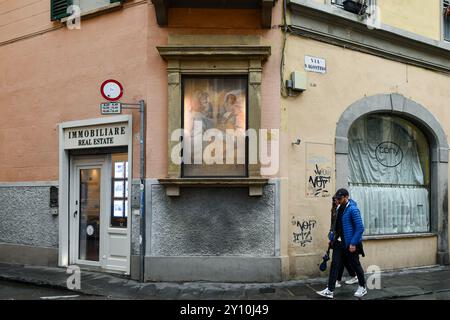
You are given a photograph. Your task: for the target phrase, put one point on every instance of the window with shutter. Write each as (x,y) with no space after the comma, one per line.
(446,24)
(59,7)
(368,4)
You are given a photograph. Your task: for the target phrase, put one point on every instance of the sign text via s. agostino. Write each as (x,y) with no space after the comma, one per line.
(110,135)
(315,64)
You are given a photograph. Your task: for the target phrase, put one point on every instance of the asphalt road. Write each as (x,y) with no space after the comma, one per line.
(22,291)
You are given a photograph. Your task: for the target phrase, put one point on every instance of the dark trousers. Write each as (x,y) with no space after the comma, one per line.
(353,261)
(347,266)
(340,254)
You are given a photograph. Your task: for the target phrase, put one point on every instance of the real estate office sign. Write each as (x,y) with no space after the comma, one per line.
(110,135)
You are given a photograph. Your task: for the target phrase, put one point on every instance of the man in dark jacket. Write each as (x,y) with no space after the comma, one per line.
(347,243)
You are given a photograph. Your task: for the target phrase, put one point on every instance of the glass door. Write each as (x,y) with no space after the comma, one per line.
(89,211)
(99,226)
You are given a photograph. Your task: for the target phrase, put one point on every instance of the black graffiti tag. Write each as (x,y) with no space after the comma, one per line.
(304,231)
(320,180)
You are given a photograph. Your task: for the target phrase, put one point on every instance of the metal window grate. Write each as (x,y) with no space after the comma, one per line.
(388,185)
(367,3)
(338,2)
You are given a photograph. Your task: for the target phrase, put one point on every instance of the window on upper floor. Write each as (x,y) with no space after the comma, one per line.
(61,8)
(337,2)
(356,6)
(446,23)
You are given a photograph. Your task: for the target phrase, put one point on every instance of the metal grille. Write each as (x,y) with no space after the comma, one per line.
(368,3)
(338,2)
(388,185)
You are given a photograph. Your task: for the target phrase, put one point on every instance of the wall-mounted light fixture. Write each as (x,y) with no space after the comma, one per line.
(297,142)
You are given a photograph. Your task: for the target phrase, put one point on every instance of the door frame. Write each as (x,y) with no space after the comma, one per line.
(64,183)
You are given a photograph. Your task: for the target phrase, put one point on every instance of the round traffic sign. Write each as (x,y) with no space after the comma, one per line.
(111,90)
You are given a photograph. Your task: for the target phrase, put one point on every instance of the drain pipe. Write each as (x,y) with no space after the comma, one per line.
(142,189)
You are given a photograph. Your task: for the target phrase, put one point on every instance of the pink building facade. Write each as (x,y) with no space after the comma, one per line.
(71,184)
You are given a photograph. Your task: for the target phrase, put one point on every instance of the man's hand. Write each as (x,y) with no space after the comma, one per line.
(352,248)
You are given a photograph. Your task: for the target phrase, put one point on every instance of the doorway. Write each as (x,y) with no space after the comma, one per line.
(98,215)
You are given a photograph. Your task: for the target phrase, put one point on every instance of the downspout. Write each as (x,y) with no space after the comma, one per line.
(285,30)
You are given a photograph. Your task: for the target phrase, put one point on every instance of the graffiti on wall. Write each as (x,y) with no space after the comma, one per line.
(319,181)
(319,170)
(302,233)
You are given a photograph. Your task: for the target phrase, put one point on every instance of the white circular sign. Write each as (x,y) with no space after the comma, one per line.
(90,230)
(111,90)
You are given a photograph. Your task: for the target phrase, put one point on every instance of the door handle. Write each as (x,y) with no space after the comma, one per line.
(75,213)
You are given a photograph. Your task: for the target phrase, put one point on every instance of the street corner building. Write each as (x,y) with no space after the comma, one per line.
(367,94)
(117,117)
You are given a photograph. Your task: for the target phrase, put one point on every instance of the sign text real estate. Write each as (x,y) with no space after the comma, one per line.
(110,135)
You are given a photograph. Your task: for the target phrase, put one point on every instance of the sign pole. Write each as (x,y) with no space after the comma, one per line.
(112,91)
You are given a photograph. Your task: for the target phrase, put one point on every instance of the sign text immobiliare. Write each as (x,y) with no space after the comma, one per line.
(116,134)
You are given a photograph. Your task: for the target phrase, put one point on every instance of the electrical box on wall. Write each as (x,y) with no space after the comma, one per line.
(298,81)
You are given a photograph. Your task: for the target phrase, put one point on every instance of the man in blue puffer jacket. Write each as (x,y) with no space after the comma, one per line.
(346,238)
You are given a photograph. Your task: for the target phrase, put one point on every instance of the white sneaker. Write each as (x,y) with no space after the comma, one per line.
(325,293)
(338,284)
(361,292)
(352,280)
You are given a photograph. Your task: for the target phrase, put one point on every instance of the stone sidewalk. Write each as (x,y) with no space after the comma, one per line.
(424,283)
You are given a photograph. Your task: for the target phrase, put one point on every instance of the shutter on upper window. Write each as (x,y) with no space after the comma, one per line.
(58,9)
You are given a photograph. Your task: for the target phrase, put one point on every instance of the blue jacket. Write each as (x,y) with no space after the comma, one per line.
(352,225)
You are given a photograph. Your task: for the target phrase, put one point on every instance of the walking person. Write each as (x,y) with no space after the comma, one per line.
(347,244)
(353,278)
